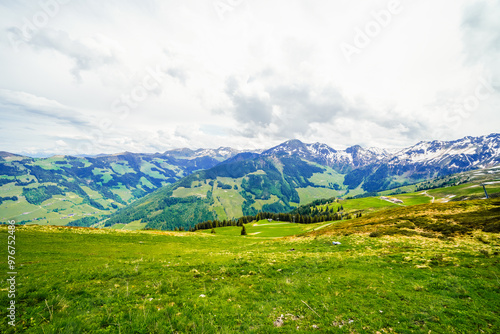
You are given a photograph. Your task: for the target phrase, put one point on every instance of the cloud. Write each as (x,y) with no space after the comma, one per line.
(481,30)
(313,112)
(481,36)
(279,109)
(267,72)
(87,54)
(36,106)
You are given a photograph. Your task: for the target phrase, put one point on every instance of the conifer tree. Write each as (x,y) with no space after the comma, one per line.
(243,230)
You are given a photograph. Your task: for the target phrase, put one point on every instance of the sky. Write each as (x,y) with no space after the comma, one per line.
(90,77)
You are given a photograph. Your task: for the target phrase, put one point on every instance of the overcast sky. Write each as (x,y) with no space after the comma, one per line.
(146,76)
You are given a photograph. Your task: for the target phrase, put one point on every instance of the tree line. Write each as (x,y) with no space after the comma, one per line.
(308,214)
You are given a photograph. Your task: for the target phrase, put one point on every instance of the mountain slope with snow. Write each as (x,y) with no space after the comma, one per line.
(341,160)
(426,160)
(481,151)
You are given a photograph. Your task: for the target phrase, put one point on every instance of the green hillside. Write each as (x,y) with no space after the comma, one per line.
(229,191)
(249,187)
(65,190)
(185,189)
(417,269)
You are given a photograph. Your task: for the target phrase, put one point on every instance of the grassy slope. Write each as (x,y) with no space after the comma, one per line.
(266,229)
(103,171)
(228,202)
(227,191)
(441,195)
(76,280)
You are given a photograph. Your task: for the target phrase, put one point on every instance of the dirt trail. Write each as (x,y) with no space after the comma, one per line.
(426,194)
(322,226)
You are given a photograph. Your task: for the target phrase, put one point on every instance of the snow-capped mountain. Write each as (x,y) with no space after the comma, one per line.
(481,151)
(375,169)
(467,152)
(220,154)
(352,157)
(426,160)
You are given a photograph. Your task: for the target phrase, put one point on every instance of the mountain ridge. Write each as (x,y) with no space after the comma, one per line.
(234,182)
(294,173)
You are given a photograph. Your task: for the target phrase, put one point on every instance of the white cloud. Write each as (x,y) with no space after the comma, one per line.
(251,75)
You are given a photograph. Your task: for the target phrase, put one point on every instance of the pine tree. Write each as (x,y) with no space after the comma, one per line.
(243,230)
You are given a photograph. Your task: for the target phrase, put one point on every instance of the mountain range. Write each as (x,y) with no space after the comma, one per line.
(294,173)
(182,187)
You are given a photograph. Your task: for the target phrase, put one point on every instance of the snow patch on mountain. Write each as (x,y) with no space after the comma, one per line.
(462,154)
(469,151)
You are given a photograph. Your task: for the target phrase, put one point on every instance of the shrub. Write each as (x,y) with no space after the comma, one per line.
(485,252)
(493,228)
(406,224)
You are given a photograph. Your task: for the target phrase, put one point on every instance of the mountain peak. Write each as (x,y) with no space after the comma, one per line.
(293,146)
(353,149)
(292,143)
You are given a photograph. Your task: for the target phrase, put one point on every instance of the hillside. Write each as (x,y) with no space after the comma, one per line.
(247,187)
(62,189)
(425,277)
(232,190)
(434,220)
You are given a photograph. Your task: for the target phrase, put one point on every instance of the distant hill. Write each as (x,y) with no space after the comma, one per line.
(61,189)
(4,154)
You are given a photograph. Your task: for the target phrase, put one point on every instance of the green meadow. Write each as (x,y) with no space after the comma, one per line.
(280,278)
(266,229)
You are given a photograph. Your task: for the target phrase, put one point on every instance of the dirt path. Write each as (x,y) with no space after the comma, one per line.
(426,194)
(322,226)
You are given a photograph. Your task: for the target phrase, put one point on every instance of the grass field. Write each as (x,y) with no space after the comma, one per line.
(266,229)
(329,176)
(309,194)
(74,280)
(136,225)
(58,210)
(124,193)
(440,195)
(121,167)
(228,202)
(147,167)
